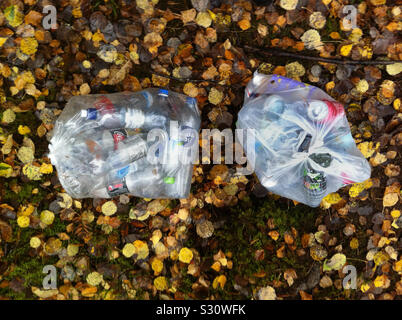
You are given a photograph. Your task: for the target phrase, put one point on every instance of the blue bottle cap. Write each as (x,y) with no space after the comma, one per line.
(92,113)
(163,92)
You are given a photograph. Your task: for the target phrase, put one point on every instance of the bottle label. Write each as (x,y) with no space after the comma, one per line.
(118,135)
(123,172)
(117,188)
(104,105)
(136,149)
(314,181)
(187,137)
(169,180)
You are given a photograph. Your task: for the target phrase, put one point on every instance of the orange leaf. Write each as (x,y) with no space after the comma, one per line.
(244,24)
(305,295)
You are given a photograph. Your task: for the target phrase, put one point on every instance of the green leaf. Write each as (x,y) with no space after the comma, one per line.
(13,15)
(337,261)
(5,170)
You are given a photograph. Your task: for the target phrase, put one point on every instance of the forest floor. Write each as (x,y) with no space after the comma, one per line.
(231,239)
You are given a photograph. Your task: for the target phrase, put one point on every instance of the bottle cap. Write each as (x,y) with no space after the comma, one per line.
(335,109)
(163,92)
(317,110)
(84,113)
(275,106)
(89,114)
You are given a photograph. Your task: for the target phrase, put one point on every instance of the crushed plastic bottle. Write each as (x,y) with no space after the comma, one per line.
(303,146)
(106,145)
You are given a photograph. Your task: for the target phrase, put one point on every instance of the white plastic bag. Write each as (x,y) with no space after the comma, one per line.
(304,149)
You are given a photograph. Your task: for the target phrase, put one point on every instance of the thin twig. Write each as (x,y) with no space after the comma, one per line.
(180,79)
(217,82)
(277,52)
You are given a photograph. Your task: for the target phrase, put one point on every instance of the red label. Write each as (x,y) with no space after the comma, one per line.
(118,135)
(104,105)
(116,189)
(115,186)
(117,138)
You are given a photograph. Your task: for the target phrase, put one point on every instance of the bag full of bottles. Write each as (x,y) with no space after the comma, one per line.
(139,143)
(303,147)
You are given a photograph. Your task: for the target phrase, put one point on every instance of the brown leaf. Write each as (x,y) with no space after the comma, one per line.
(188,15)
(118,74)
(34,18)
(288,238)
(290,275)
(305,295)
(280,253)
(219,170)
(391,195)
(5,231)
(259,255)
(392,170)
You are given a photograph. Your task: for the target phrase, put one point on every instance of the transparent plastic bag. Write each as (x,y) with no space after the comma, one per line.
(304,149)
(139,143)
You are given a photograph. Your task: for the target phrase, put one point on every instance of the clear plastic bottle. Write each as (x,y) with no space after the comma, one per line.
(98,141)
(129,150)
(93,150)
(137,178)
(111,115)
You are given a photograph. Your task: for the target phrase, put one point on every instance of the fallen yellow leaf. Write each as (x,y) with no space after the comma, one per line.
(219,281)
(185,255)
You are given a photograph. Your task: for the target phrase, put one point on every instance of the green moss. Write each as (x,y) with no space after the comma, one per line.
(12,295)
(186,282)
(25,194)
(20,237)
(125,264)
(332,25)
(55,228)
(31,271)
(112,4)
(245,231)
(22,265)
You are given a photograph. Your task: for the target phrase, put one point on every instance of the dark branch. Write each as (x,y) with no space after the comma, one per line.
(278,52)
